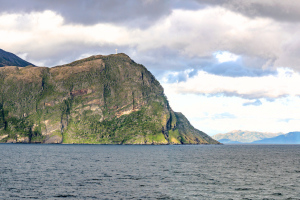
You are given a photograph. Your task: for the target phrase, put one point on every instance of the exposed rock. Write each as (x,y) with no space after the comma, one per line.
(50,127)
(79,92)
(11,140)
(3,136)
(23,140)
(54,140)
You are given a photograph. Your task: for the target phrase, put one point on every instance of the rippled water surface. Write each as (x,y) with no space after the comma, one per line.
(149,172)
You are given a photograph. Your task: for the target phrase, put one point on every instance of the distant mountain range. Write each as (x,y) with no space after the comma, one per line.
(253,137)
(290,138)
(227,141)
(10,59)
(239,136)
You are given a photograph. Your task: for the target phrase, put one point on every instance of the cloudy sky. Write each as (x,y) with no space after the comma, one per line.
(226,65)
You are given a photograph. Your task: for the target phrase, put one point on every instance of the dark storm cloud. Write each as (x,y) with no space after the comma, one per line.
(130,12)
(255,103)
(144,12)
(287,10)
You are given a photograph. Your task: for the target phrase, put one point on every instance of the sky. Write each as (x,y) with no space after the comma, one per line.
(225,64)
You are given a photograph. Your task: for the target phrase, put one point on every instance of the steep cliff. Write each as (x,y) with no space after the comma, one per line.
(100,99)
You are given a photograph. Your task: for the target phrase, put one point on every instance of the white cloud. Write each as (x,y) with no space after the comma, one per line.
(23,55)
(216,113)
(199,33)
(270,117)
(225,56)
(46,35)
(257,102)
(284,84)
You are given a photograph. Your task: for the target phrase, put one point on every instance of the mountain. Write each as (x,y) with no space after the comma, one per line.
(227,141)
(100,100)
(10,59)
(244,136)
(289,138)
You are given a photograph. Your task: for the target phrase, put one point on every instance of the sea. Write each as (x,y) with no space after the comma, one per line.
(48,171)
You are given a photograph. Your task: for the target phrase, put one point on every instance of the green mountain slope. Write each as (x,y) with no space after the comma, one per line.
(9,59)
(100,100)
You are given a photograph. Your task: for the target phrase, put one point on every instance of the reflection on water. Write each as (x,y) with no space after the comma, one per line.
(153,172)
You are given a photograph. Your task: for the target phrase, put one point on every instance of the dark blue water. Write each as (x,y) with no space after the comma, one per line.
(35,171)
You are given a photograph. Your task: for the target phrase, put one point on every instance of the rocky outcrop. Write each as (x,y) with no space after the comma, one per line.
(3,137)
(56,139)
(16,139)
(100,100)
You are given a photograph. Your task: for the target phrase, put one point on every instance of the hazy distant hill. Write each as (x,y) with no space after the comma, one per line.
(243,136)
(227,141)
(290,138)
(10,59)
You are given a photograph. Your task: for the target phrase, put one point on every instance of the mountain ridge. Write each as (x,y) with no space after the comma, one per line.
(289,138)
(244,136)
(10,59)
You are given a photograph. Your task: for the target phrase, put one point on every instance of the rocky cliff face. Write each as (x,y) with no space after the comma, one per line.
(100,99)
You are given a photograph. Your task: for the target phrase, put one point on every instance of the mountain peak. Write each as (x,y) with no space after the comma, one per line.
(95,57)
(10,59)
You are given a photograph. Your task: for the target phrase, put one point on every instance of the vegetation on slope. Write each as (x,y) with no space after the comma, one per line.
(100,99)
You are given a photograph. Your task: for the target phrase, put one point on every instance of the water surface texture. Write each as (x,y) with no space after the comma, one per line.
(32,171)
